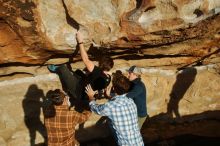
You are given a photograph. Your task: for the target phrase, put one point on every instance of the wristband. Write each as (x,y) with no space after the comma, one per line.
(80,43)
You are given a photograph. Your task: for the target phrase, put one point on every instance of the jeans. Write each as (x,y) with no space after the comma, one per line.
(72,82)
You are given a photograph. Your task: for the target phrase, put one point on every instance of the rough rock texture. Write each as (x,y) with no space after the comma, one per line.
(39,29)
(175,42)
(194,109)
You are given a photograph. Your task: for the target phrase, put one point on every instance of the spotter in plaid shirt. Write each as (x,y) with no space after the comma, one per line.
(122,112)
(61,127)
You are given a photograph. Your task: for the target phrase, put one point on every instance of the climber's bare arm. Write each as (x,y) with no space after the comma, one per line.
(88,63)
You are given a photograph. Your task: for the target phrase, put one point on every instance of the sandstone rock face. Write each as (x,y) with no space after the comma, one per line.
(181,96)
(175,42)
(38,29)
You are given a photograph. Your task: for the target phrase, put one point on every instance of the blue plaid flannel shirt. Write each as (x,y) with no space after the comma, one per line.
(122,112)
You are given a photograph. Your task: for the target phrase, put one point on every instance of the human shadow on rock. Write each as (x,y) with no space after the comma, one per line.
(182,84)
(32,109)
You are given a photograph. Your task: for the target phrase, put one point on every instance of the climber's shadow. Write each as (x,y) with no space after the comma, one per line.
(32,109)
(183,82)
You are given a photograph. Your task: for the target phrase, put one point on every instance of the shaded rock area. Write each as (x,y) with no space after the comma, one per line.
(176,43)
(162,127)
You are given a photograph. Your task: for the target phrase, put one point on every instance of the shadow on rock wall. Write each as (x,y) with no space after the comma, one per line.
(182,84)
(190,130)
(197,129)
(99,134)
(32,109)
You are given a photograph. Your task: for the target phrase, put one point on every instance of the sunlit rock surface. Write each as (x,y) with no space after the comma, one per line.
(39,29)
(175,42)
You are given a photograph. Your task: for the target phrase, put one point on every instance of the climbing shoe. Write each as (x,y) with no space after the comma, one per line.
(52,68)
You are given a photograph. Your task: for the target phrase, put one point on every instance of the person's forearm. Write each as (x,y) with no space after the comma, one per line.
(96,108)
(83,52)
(89,64)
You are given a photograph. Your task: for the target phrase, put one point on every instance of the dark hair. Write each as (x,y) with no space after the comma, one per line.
(120,83)
(56,96)
(53,97)
(106,63)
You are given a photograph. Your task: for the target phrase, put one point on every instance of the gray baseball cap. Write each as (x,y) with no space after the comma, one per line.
(134,69)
